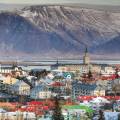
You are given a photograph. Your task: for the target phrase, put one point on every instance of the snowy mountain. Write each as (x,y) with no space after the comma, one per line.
(58,31)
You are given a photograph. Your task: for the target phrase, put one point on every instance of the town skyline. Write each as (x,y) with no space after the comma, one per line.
(59,60)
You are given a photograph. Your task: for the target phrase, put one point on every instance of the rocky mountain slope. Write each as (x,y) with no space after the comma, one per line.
(58,31)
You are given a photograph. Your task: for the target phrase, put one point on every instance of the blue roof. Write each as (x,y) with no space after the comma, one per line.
(84,86)
(39,88)
(47,80)
(20,83)
(4,95)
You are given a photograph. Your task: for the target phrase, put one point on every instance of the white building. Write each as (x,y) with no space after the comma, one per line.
(108,71)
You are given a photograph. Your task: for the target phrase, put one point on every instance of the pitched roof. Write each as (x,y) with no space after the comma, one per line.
(39,88)
(20,83)
(84,85)
(56,84)
(3,95)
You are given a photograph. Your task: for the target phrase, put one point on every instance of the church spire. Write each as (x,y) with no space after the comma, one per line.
(86,58)
(86,51)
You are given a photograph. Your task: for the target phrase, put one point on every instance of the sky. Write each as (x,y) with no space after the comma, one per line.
(98,2)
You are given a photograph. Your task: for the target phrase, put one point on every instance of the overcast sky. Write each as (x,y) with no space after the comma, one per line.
(98,2)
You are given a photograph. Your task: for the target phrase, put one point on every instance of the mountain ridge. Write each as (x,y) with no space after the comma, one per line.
(57,31)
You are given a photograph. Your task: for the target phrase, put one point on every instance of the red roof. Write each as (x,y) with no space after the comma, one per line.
(85,98)
(91,97)
(57,84)
(35,103)
(112,77)
(45,108)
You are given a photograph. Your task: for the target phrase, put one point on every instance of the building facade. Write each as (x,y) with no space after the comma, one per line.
(21,88)
(41,92)
(82,89)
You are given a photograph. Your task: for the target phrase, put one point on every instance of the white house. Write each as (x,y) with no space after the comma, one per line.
(108,71)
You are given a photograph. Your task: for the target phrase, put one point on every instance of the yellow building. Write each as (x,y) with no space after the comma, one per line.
(9,80)
(101,88)
(69,68)
(99,93)
(95,68)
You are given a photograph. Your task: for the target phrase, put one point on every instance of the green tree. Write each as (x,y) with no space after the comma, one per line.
(57,114)
(118,116)
(90,74)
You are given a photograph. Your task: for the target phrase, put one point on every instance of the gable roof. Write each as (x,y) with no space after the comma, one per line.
(84,85)
(20,83)
(39,88)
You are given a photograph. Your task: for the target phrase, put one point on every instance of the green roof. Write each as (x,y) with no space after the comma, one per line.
(86,108)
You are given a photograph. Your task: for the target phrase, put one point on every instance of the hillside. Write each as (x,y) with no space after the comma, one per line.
(58,31)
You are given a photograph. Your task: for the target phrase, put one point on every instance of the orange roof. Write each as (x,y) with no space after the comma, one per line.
(6,104)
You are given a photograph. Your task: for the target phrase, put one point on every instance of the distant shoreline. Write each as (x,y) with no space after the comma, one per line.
(59,62)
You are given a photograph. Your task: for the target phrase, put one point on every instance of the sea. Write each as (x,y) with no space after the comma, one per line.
(46,64)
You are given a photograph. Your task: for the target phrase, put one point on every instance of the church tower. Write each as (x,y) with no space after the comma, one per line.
(86,59)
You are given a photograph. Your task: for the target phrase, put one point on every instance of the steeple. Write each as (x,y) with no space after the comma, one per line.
(86,59)
(86,50)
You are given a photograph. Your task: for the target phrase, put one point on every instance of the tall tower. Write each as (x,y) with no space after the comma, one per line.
(86,59)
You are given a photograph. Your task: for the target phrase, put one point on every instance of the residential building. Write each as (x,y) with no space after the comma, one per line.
(10,80)
(99,91)
(21,88)
(82,89)
(9,69)
(108,70)
(58,88)
(41,91)
(95,68)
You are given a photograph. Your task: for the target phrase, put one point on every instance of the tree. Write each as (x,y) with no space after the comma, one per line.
(39,74)
(101,115)
(57,115)
(119,116)
(90,74)
(116,74)
(116,89)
